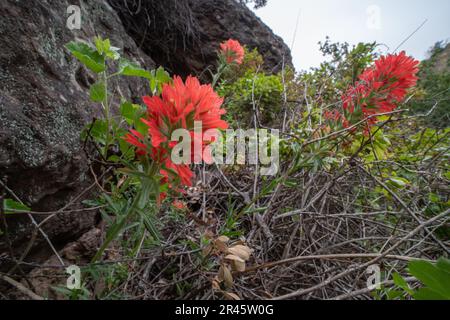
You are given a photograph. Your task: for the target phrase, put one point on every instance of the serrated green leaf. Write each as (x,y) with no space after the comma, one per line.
(127,68)
(129,111)
(88,56)
(97,92)
(162,77)
(99,131)
(102,45)
(104,48)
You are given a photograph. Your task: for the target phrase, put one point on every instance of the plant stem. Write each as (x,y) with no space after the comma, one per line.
(117,228)
(107,116)
(220,71)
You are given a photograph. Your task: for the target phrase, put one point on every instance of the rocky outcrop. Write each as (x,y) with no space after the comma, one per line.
(44,103)
(183,35)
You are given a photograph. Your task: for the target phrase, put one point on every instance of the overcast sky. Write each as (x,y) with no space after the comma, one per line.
(385,21)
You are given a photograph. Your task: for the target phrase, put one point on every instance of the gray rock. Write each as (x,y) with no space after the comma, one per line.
(184,35)
(44,105)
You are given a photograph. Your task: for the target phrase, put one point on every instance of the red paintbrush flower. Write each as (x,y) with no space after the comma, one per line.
(382,87)
(179,106)
(233,51)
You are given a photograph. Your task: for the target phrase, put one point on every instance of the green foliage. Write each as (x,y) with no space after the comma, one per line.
(97,92)
(253,90)
(434,87)
(341,69)
(396,153)
(246,87)
(253,62)
(100,282)
(11,206)
(73,294)
(108,131)
(434,277)
(90,57)
(128,206)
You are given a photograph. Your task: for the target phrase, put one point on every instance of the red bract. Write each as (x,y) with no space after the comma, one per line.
(382,87)
(232,51)
(178,107)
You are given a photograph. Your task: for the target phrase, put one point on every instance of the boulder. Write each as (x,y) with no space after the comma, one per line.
(184,35)
(44,105)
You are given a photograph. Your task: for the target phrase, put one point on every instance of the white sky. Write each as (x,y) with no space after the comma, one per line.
(356,21)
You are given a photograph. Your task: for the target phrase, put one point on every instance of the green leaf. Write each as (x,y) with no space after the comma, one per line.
(160,77)
(444,265)
(88,56)
(434,198)
(10,207)
(102,45)
(129,111)
(104,48)
(394,294)
(139,125)
(127,68)
(399,182)
(435,278)
(99,131)
(97,91)
(401,283)
(148,187)
(428,294)
(447,175)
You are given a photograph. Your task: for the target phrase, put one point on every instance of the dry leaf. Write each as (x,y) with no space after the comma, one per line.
(215,283)
(239,265)
(223,239)
(221,246)
(226,276)
(245,248)
(240,252)
(231,296)
(233,257)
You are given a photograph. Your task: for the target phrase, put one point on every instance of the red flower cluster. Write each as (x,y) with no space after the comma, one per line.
(380,89)
(232,51)
(178,107)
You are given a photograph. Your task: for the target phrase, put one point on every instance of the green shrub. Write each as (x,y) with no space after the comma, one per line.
(253,90)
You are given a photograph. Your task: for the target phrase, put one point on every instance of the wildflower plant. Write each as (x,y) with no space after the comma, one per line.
(380,89)
(144,135)
(231,53)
